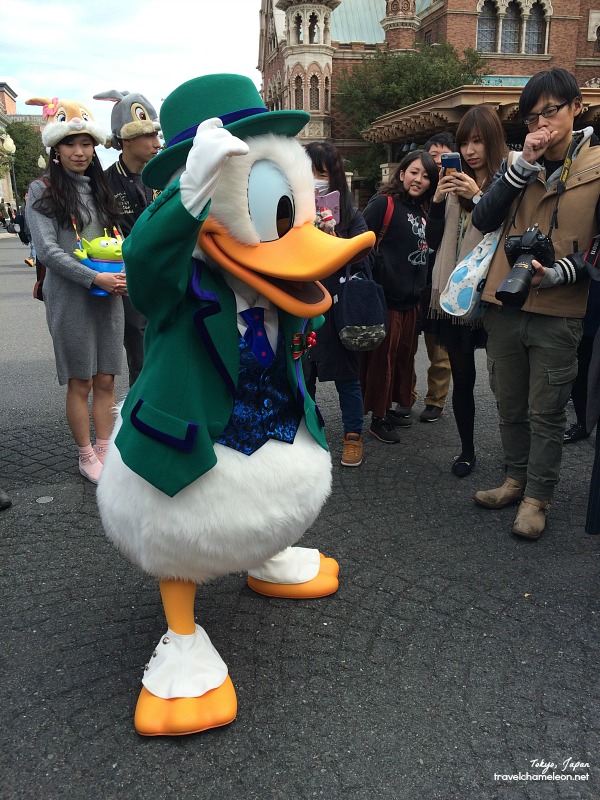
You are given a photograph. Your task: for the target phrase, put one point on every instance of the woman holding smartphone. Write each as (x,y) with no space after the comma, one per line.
(480,139)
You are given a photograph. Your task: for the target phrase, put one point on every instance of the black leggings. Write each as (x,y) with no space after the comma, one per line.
(463,399)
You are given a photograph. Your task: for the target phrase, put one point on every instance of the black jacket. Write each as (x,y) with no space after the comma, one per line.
(334,361)
(130,193)
(24,232)
(403,268)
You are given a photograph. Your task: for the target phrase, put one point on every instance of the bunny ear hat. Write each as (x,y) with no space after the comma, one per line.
(66,118)
(132,115)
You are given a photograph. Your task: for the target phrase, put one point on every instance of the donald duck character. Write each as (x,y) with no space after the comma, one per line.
(220,462)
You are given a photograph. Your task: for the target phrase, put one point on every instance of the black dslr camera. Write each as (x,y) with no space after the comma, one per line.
(520,251)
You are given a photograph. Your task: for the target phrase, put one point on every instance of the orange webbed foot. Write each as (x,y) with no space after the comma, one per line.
(323,584)
(180,716)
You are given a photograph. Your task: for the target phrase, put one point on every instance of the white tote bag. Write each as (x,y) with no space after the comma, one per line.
(462,295)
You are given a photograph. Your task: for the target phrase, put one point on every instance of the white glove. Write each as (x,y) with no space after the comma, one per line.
(212,146)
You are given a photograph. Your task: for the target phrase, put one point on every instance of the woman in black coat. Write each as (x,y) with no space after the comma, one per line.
(329,360)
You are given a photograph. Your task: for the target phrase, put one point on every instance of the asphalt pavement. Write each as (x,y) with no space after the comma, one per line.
(453,659)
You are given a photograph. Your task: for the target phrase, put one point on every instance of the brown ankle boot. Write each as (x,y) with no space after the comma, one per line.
(510,492)
(531,518)
(352,453)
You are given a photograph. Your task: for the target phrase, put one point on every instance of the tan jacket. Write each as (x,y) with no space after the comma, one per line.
(576,228)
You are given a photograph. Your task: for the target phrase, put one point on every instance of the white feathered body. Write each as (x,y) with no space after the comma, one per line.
(243,511)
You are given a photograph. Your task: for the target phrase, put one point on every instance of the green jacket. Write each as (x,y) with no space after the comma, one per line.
(183,399)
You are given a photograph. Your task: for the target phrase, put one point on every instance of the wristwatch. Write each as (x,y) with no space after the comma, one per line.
(476,198)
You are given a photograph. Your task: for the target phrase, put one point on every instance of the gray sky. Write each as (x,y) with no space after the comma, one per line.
(83,47)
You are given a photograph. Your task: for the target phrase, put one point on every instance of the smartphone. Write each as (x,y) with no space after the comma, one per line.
(451,163)
(330,201)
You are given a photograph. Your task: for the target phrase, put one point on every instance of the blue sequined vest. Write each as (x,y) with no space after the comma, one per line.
(264,407)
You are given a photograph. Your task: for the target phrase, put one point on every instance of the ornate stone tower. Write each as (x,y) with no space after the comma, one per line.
(400,24)
(307,62)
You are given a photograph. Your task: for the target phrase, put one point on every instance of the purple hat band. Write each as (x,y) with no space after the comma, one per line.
(226,119)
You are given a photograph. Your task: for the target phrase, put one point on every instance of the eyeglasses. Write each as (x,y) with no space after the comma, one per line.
(551,111)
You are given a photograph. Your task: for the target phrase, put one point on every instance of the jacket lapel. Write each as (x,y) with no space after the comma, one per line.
(213,317)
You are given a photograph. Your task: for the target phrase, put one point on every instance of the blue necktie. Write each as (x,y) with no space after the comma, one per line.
(256,335)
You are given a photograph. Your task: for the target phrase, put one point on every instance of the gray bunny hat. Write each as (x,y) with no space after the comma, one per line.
(133,115)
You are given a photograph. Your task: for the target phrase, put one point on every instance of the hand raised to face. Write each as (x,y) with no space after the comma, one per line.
(537,142)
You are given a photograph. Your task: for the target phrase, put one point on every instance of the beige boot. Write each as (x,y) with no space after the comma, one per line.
(531,518)
(510,492)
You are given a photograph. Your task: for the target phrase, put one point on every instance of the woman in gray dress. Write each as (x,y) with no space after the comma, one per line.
(70,202)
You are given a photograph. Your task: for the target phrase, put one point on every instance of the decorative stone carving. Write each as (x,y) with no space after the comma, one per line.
(396,7)
(593,24)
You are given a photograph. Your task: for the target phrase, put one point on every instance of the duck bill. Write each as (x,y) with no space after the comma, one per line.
(286,270)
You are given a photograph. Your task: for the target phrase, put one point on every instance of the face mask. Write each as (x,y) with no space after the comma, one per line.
(321,186)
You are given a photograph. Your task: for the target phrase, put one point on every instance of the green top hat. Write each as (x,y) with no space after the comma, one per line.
(232,98)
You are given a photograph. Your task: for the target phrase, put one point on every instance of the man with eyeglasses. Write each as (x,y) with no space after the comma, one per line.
(532,349)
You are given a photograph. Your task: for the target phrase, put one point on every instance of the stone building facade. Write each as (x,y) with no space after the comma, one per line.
(306,46)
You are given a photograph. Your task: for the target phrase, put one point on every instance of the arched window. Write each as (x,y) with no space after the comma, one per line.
(487,28)
(272,37)
(298,29)
(314,93)
(313,29)
(327,95)
(298,93)
(511,30)
(535,32)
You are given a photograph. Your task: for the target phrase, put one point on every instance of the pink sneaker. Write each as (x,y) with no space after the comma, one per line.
(90,467)
(100,452)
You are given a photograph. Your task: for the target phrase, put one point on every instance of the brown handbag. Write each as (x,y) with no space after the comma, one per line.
(40,274)
(40,270)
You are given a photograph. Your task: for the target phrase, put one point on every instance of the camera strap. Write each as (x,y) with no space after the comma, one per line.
(592,257)
(562,181)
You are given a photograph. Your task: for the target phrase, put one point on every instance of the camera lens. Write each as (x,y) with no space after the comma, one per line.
(514,289)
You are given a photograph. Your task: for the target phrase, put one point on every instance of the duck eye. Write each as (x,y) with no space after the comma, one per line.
(285,215)
(270,201)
